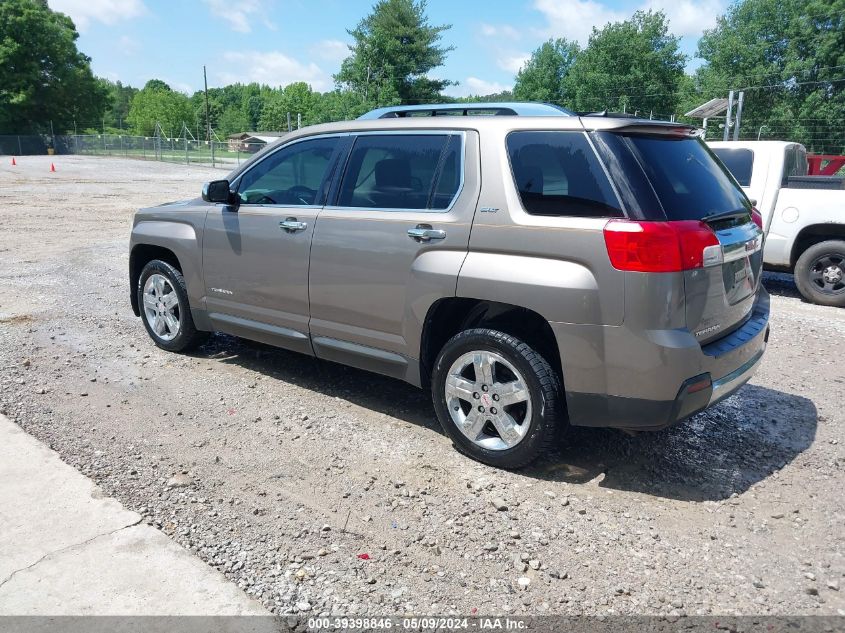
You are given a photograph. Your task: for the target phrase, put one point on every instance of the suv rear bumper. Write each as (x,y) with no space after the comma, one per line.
(648,381)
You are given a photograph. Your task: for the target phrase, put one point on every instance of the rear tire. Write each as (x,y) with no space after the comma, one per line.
(499,400)
(820,273)
(165,311)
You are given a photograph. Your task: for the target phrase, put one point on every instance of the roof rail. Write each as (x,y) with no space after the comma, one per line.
(468,109)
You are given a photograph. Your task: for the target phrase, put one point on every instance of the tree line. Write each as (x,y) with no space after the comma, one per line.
(788,56)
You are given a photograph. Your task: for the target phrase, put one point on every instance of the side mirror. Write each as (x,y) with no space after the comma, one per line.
(218,191)
(753,201)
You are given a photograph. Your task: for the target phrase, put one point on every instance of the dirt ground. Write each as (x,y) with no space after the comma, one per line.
(294,469)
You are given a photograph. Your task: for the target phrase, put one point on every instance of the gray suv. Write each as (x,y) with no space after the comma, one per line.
(533,268)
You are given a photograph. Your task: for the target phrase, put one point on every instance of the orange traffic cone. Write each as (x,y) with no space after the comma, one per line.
(52,167)
(14,162)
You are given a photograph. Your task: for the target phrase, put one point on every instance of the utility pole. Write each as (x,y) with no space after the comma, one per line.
(207,120)
(726,136)
(738,115)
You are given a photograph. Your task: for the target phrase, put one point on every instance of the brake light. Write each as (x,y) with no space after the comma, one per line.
(757,217)
(661,247)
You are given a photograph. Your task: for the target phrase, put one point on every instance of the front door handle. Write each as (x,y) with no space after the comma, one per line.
(292,225)
(424,233)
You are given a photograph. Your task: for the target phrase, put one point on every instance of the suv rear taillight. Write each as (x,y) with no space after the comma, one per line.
(757,217)
(661,247)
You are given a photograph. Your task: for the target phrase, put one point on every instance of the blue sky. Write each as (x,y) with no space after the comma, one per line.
(279,41)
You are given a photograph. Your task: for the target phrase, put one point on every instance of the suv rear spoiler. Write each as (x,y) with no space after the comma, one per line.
(641,126)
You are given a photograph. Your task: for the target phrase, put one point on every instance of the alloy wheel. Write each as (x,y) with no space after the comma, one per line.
(161,307)
(489,400)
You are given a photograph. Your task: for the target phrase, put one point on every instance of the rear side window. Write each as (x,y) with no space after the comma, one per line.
(558,174)
(795,163)
(678,176)
(739,162)
(402,171)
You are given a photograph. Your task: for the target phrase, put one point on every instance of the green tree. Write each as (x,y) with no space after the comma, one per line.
(118,103)
(232,121)
(157,103)
(395,48)
(788,57)
(633,65)
(337,105)
(43,76)
(505,95)
(542,76)
(251,104)
(296,98)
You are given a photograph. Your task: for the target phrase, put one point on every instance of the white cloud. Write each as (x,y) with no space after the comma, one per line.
(575,19)
(128,45)
(331,50)
(83,12)
(476,86)
(512,63)
(273,68)
(688,17)
(500,31)
(240,13)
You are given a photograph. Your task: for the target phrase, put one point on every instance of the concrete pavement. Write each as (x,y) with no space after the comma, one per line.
(66,550)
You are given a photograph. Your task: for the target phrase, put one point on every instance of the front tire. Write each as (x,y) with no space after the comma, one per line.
(820,273)
(499,400)
(165,311)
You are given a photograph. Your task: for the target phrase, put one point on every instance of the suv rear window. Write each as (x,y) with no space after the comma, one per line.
(668,178)
(738,161)
(558,173)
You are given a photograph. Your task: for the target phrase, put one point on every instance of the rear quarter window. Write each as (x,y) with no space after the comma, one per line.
(794,164)
(558,174)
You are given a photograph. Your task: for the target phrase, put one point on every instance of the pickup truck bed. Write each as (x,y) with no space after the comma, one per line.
(803,216)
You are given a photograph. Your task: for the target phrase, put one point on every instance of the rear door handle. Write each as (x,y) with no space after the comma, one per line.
(292,225)
(424,233)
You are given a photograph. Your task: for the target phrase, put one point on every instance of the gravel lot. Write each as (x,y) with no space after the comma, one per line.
(283,472)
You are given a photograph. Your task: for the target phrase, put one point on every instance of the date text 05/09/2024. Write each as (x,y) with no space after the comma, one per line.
(416,624)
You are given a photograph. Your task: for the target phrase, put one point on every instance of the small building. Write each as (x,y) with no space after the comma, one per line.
(251,142)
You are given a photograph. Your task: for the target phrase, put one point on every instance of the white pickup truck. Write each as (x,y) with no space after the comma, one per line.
(803,216)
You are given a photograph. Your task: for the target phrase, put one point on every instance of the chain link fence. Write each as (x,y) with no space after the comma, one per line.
(225,155)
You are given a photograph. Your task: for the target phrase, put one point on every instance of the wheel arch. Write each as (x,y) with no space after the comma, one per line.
(448,316)
(814,234)
(140,256)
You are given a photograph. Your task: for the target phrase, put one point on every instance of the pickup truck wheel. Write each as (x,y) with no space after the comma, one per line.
(497,399)
(165,311)
(820,273)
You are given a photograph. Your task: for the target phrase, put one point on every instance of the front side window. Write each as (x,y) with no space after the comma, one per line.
(291,176)
(558,174)
(402,171)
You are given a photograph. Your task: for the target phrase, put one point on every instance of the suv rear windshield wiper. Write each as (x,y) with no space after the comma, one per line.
(725,215)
